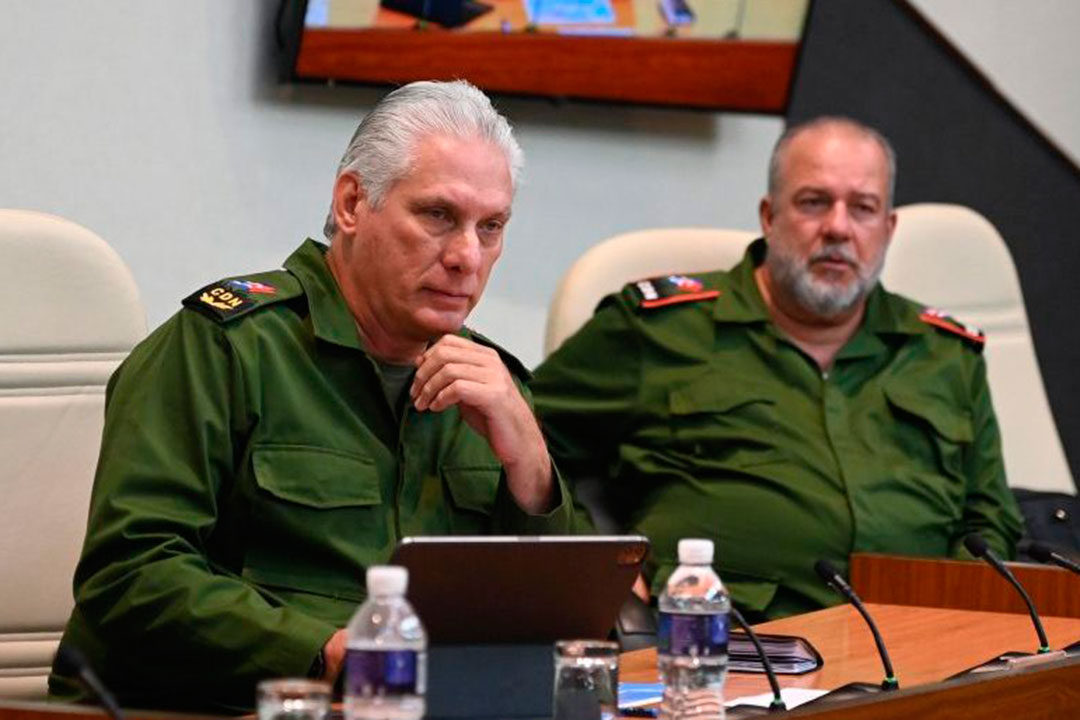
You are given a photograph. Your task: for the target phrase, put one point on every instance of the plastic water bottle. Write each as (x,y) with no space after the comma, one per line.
(693,636)
(386,652)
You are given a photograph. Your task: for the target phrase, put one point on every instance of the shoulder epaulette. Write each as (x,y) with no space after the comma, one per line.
(235,297)
(667,290)
(973,336)
(516,366)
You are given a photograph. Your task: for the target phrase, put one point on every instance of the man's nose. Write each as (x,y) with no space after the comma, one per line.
(462,251)
(838,221)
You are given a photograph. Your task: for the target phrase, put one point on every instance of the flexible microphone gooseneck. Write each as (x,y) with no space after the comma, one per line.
(72,663)
(1046,554)
(830,575)
(977,546)
(777,704)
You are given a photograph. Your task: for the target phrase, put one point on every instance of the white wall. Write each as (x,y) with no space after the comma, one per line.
(1027,50)
(159,126)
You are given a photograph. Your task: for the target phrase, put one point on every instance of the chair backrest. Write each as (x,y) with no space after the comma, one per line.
(71,314)
(606,267)
(952,258)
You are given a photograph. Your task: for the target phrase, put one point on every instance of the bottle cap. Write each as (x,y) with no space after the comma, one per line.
(693,551)
(387,580)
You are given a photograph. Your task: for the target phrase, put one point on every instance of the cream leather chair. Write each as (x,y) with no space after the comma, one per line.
(606,267)
(952,258)
(71,313)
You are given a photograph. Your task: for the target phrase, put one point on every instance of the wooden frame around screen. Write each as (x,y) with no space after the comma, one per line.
(753,76)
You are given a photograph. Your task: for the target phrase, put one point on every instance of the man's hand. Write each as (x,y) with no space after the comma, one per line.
(334,656)
(456,371)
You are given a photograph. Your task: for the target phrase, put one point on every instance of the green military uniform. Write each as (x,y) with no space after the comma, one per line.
(251,470)
(706,422)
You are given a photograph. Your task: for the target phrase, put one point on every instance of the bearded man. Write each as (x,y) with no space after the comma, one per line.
(792,408)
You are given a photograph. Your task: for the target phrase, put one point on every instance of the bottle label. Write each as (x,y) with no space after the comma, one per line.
(685,634)
(381,672)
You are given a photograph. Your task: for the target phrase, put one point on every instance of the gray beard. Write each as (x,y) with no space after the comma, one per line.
(817,296)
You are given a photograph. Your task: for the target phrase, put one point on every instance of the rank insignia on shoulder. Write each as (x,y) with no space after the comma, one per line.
(670,290)
(229,298)
(939,319)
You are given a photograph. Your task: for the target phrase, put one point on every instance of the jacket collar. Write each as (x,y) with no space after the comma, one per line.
(330,316)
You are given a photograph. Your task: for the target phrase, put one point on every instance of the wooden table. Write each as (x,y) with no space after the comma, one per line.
(926,645)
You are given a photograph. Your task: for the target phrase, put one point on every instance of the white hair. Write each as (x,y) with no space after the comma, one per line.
(382,148)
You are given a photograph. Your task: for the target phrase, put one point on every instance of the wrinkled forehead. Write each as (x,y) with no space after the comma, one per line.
(837,158)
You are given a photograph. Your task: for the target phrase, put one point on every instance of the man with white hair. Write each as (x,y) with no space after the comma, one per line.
(791,409)
(284,430)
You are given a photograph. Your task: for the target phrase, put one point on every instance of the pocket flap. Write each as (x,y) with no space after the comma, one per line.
(712,393)
(316,477)
(950,422)
(474,488)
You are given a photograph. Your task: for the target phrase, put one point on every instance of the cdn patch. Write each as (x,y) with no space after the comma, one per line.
(227,299)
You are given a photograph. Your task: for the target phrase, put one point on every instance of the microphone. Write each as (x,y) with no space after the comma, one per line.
(72,663)
(777,704)
(1046,554)
(977,546)
(831,576)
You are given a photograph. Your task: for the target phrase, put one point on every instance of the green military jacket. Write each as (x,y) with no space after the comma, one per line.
(704,421)
(251,469)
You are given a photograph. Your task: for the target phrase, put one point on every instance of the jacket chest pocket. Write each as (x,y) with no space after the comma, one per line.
(929,430)
(932,437)
(317,519)
(472,490)
(724,420)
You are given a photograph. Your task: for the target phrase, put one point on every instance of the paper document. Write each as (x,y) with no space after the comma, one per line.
(792,697)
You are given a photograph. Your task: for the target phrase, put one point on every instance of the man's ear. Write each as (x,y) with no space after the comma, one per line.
(765,215)
(349,202)
(891,220)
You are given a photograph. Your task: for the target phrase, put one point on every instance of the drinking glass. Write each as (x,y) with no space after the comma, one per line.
(293,699)
(586,679)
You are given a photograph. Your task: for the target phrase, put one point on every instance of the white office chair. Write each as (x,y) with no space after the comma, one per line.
(71,313)
(606,267)
(952,258)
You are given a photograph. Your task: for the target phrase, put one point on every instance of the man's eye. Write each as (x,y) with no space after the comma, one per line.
(813,203)
(437,213)
(492,226)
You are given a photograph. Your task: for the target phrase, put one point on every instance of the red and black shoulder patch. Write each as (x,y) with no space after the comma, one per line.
(667,290)
(973,336)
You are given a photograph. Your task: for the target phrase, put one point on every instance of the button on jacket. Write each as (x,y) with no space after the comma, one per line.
(704,421)
(251,470)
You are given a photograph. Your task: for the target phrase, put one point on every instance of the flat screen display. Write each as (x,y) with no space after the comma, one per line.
(724,54)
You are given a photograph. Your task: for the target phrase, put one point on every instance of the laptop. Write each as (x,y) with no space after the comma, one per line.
(507,589)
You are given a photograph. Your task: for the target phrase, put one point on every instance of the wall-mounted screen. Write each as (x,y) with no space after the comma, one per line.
(729,54)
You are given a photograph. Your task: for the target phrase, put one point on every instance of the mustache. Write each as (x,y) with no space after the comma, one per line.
(837,253)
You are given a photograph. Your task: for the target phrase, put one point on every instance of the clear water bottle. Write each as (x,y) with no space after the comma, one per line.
(386,652)
(693,636)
